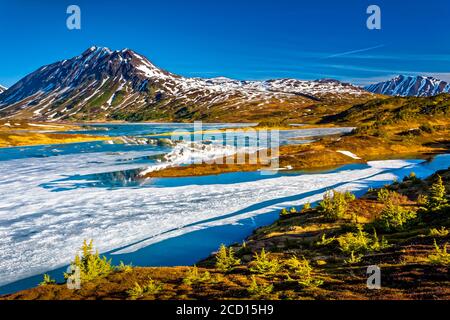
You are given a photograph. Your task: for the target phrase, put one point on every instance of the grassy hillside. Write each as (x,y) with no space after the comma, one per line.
(396,112)
(296,109)
(309,253)
(384,128)
(23,133)
(416,122)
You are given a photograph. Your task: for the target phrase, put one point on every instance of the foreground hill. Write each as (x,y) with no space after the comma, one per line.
(312,253)
(416,86)
(101,84)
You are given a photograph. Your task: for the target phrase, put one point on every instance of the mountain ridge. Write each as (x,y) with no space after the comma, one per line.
(418,86)
(101,84)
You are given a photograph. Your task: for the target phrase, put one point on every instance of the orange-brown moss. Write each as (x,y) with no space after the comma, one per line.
(20,133)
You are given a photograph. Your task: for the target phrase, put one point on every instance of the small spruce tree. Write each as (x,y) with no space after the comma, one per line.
(90,264)
(259,290)
(306,206)
(47,280)
(437,198)
(193,276)
(335,204)
(225,260)
(263,264)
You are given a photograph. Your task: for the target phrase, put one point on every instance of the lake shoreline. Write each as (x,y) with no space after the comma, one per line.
(25,134)
(276,236)
(314,150)
(270,218)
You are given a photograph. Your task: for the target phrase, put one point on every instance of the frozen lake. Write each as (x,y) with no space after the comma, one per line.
(54,197)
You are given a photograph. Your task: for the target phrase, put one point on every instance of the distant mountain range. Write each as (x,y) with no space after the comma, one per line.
(101,84)
(2,88)
(416,86)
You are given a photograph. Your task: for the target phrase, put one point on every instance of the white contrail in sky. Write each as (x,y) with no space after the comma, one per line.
(352,52)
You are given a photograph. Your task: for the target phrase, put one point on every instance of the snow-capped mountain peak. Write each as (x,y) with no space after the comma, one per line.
(122,84)
(418,86)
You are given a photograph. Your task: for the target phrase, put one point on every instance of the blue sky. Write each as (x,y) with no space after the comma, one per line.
(242,39)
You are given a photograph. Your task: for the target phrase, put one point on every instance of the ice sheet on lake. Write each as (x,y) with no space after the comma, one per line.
(41,230)
(193,153)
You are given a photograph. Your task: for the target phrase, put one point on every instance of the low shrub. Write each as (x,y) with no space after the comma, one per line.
(440,256)
(126,268)
(263,264)
(383,195)
(90,264)
(354,242)
(259,290)
(302,270)
(389,197)
(394,217)
(441,233)
(306,206)
(324,241)
(284,212)
(47,280)
(376,244)
(360,242)
(413,178)
(335,204)
(135,292)
(437,196)
(354,258)
(151,287)
(193,276)
(225,260)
